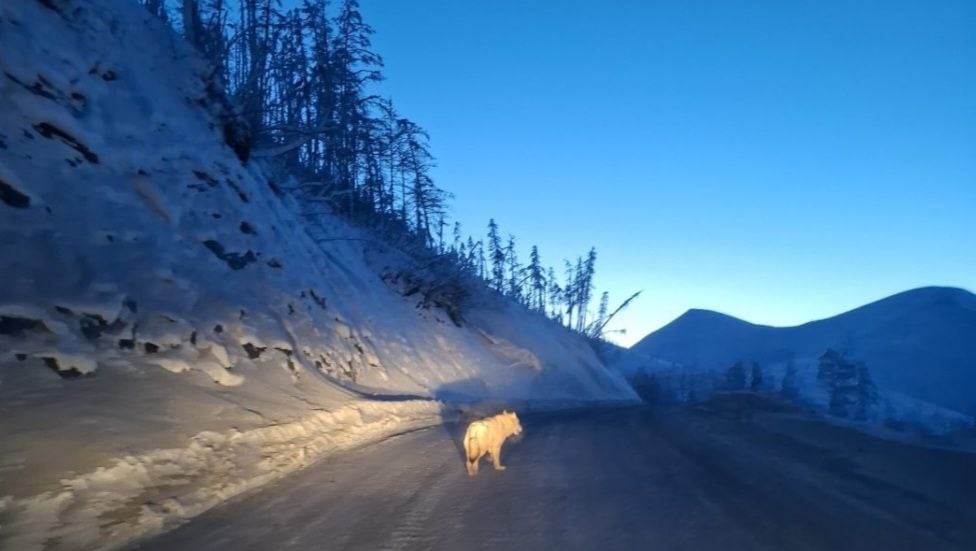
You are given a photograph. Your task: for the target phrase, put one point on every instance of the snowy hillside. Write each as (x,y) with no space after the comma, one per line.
(170,334)
(919,345)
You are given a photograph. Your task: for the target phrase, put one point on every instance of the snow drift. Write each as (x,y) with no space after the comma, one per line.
(170,332)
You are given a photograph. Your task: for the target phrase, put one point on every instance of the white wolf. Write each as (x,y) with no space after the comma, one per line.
(487,436)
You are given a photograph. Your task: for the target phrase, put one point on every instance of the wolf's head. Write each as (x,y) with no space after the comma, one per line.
(512,421)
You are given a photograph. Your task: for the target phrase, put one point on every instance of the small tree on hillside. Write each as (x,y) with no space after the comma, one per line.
(839,378)
(477,252)
(496,256)
(735,377)
(537,281)
(596,328)
(865,391)
(514,270)
(554,296)
(756,382)
(788,388)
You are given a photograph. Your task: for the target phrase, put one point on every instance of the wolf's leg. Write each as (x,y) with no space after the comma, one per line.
(496,458)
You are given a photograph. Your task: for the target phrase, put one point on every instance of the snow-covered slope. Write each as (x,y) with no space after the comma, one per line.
(920,343)
(170,334)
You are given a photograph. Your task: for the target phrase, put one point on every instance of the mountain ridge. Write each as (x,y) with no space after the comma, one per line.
(917,291)
(933,327)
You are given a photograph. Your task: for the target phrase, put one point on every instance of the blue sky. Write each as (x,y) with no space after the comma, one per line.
(778,161)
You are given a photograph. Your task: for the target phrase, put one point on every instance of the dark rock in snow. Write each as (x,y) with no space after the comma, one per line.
(50,132)
(235,260)
(18,327)
(13,197)
(253,352)
(70,373)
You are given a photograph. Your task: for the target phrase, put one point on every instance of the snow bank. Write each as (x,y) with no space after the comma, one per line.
(139,495)
(171,332)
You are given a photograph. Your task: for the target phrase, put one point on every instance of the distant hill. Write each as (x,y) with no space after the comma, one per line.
(921,343)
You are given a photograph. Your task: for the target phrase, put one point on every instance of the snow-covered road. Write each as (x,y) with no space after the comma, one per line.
(615,479)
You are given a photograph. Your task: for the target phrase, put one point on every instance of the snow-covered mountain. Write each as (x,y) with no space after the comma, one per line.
(919,343)
(171,332)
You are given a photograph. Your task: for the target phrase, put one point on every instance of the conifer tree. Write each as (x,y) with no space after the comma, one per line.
(756,383)
(789,388)
(555,296)
(496,254)
(865,391)
(839,378)
(514,269)
(353,65)
(537,281)
(735,377)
